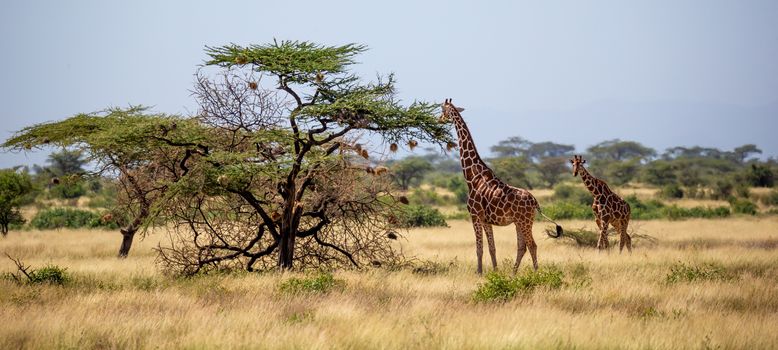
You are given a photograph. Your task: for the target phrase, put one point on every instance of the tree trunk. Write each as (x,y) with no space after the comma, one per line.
(127,236)
(4,229)
(286,252)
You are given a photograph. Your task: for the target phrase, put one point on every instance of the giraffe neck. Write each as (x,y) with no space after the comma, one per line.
(588,180)
(473,166)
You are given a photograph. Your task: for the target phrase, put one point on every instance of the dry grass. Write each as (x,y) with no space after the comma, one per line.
(610,300)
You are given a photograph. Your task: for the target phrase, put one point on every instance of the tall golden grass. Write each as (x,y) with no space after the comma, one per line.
(625,301)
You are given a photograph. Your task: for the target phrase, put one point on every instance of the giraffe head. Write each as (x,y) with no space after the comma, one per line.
(449,110)
(578,163)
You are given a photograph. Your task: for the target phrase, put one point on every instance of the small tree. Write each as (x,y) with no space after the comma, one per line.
(14,188)
(551,169)
(145,152)
(512,170)
(410,169)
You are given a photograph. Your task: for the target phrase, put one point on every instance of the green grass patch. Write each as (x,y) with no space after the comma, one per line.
(688,273)
(321,283)
(500,287)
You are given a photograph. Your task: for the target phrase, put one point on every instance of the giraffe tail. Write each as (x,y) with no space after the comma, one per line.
(559,230)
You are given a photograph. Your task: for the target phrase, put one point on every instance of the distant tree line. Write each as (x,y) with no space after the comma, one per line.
(698,172)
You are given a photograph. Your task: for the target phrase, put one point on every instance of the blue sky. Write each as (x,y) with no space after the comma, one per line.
(663,73)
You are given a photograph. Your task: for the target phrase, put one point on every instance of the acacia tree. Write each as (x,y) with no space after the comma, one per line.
(144,152)
(14,187)
(266,173)
(281,167)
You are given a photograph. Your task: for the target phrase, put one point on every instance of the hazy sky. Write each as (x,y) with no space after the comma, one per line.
(663,73)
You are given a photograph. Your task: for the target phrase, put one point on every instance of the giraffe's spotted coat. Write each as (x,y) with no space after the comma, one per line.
(608,207)
(491,201)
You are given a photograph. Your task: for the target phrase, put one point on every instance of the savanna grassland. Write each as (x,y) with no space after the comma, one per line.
(703,284)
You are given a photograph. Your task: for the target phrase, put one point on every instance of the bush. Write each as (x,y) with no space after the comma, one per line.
(499,287)
(319,284)
(568,210)
(743,206)
(645,210)
(67,218)
(681,272)
(428,197)
(675,212)
(671,191)
(67,190)
(421,216)
(51,274)
(573,194)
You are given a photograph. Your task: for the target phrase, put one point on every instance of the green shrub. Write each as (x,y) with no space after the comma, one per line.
(573,194)
(671,191)
(568,210)
(51,274)
(319,284)
(429,197)
(499,287)
(67,218)
(743,206)
(681,272)
(675,212)
(644,210)
(421,216)
(67,190)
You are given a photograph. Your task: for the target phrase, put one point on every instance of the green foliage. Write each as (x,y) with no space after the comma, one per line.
(659,173)
(500,287)
(743,206)
(421,216)
(67,190)
(410,170)
(760,176)
(568,210)
(429,197)
(51,274)
(551,169)
(56,218)
(512,170)
(66,162)
(14,190)
(321,283)
(683,272)
(459,187)
(573,194)
(675,212)
(671,191)
(616,172)
(618,150)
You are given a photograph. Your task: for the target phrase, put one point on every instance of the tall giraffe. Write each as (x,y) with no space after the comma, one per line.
(491,201)
(608,207)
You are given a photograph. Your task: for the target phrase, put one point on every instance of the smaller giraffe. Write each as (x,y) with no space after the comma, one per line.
(608,207)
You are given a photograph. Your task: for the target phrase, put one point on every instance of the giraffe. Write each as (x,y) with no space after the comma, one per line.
(608,207)
(491,201)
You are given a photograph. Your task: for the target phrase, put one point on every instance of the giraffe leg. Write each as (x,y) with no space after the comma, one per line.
(625,236)
(490,241)
(479,243)
(533,248)
(602,243)
(622,241)
(522,248)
